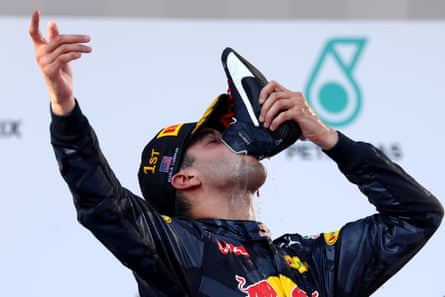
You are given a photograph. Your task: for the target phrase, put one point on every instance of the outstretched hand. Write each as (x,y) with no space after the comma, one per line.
(280,104)
(53,56)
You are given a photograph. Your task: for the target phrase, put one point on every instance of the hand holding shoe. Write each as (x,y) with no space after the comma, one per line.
(280,105)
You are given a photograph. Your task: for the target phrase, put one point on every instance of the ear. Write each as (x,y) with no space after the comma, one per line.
(185,180)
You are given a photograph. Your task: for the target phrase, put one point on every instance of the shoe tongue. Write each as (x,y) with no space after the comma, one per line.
(253,87)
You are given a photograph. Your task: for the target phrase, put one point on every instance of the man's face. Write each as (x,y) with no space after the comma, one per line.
(220,167)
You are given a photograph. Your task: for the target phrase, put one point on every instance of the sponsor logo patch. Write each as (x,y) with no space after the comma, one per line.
(170,131)
(273,286)
(228,248)
(296,263)
(331,237)
(165,164)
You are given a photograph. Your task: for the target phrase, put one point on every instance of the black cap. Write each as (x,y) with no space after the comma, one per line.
(162,156)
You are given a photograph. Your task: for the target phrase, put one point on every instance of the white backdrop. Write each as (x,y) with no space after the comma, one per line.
(146,74)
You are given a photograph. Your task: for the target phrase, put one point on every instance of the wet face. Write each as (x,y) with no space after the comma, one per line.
(221,168)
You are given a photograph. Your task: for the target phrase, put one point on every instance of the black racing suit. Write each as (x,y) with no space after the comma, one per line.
(182,257)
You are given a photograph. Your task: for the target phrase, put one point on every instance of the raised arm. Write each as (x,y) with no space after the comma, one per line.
(370,250)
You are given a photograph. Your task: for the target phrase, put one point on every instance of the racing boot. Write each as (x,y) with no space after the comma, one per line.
(245,133)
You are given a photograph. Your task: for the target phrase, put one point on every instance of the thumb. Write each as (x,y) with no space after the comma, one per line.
(53,31)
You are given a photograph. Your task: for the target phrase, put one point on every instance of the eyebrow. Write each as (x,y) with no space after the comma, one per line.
(203,133)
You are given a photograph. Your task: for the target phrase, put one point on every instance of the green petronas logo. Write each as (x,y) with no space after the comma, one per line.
(332,90)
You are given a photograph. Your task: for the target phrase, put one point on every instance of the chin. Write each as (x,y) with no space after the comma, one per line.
(258,176)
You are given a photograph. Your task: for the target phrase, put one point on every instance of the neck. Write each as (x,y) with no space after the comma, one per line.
(228,207)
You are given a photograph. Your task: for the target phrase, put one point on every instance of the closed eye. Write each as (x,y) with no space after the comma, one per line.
(209,136)
(214,139)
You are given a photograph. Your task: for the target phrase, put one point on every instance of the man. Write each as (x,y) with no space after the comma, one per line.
(210,244)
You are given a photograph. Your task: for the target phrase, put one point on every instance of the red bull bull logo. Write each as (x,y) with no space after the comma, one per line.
(273,286)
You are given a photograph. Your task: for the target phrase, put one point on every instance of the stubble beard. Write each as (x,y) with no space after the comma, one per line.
(244,174)
(249,174)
